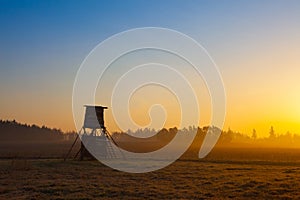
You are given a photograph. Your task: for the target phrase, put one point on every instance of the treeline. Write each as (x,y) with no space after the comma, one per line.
(15,131)
(227,138)
(274,139)
(10,130)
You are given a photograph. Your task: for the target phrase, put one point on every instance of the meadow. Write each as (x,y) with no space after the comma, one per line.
(226,173)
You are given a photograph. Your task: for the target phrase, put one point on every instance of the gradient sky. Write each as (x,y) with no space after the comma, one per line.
(255,44)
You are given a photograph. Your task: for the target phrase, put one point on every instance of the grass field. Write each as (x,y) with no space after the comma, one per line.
(224,174)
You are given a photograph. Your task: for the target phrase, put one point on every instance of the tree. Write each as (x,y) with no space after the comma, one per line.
(254,134)
(227,136)
(272,133)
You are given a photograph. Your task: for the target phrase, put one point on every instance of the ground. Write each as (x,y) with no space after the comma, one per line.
(217,178)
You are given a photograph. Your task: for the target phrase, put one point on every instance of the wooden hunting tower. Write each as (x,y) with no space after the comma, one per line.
(94,134)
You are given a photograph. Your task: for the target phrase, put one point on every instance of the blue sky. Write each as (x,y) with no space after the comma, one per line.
(44,42)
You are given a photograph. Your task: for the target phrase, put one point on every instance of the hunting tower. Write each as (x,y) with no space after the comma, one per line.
(94,134)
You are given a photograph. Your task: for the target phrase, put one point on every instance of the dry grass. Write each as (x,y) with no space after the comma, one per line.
(226,173)
(184,179)
(20,164)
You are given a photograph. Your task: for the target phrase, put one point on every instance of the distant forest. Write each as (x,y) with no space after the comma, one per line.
(15,131)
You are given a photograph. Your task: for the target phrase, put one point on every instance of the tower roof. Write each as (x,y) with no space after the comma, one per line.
(95,106)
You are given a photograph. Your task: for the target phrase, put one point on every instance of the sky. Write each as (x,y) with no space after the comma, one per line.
(255,44)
